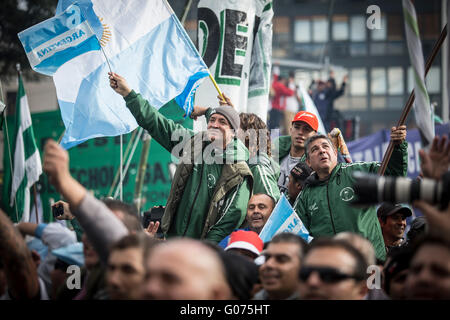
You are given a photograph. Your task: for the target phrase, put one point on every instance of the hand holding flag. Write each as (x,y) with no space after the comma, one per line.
(119,84)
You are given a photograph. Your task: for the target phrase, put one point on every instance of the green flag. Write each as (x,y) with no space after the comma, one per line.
(26,162)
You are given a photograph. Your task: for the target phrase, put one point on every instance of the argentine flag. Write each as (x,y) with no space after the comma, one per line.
(284,219)
(143,41)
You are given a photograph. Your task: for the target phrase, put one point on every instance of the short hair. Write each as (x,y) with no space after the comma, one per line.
(428,239)
(360,243)
(287,237)
(265,194)
(360,262)
(131,218)
(397,261)
(136,240)
(314,138)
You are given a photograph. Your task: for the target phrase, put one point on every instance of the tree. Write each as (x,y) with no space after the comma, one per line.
(16,16)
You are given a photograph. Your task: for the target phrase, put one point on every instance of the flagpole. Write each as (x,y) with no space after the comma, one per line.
(216,86)
(35,203)
(410,101)
(128,161)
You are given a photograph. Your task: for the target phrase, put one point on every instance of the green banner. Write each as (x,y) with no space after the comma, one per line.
(95,162)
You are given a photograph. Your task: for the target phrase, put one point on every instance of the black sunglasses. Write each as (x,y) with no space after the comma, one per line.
(327,275)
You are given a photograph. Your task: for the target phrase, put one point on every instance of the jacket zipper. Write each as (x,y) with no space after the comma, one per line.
(329,209)
(193,202)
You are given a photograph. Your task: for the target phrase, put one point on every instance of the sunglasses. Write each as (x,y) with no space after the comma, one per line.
(327,275)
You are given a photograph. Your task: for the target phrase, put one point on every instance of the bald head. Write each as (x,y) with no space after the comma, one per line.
(185,269)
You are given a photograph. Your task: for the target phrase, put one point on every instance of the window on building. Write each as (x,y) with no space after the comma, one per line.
(378,81)
(380,34)
(302,30)
(395,80)
(429,25)
(358,28)
(410,79)
(358,82)
(340,28)
(320,29)
(433,80)
(395,27)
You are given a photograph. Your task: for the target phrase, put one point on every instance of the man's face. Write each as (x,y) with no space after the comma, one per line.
(279,273)
(429,273)
(219,129)
(395,225)
(294,188)
(125,274)
(173,275)
(300,132)
(259,208)
(336,260)
(397,286)
(321,156)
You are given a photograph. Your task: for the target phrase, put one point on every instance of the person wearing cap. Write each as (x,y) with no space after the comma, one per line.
(256,137)
(245,243)
(392,220)
(212,183)
(297,178)
(325,203)
(291,149)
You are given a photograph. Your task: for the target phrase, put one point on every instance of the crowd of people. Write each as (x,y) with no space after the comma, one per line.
(287,100)
(227,183)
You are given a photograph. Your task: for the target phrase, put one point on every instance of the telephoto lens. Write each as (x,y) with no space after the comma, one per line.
(371,189)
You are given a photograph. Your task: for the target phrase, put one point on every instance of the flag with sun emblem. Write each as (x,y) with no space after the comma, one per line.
(141,40)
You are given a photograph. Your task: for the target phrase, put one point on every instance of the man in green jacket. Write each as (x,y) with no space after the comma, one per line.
(212,184)
(324,203)
(291,149)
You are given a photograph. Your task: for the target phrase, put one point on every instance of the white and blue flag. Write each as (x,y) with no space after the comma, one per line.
(144,42)
(284,219)
(55,41)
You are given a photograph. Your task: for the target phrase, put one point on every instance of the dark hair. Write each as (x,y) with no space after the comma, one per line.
(428,240)
(287,237)
(360,262)
(314,138)
(136,240)
(252,121)
(131,218)
(241,274)
(397,261)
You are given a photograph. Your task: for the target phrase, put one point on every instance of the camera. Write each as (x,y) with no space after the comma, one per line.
(154,214)
(372,189)
(57,210)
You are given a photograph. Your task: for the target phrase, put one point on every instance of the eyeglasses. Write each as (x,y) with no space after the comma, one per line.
(326,274)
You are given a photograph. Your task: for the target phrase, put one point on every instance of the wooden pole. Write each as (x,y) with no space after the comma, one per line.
(410,101)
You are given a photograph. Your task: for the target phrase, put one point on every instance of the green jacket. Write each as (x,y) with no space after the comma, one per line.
(324,207)
(265,175)
(281,148)
(206,201)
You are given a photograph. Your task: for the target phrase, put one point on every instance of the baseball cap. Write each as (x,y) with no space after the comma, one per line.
(246,240)
(301,171)
(388,209)
(308,117)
